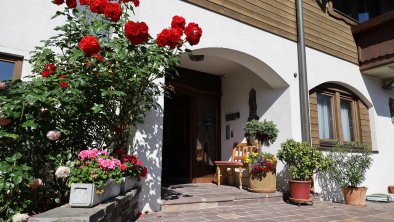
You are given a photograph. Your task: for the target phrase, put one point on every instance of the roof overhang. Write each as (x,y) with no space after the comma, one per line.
(375,43)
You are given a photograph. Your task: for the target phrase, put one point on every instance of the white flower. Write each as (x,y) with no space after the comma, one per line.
(54,135)
(62,172)
(2,85)
(20,218)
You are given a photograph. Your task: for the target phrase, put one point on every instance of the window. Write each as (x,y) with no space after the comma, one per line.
(362,10)
(10,67)
(338,115)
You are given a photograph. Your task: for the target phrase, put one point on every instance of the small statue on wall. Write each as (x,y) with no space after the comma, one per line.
(391,106)
(252,105)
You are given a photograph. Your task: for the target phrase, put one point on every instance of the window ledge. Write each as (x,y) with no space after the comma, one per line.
(338,15)
(353,150)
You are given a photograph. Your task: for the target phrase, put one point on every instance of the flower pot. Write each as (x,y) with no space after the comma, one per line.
(4,121)
(262,183)
(299,190)
(391,189)
(354,195)
(87,195)
(128,183)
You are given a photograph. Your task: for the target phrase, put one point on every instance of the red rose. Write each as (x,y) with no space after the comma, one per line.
(178,22)
(123,167)
(71,3)
(120,152)
(144,172)
(98,6)
(58,2)
(137,33)
(170,37)
(139,163)
(98,57)
(113,11)
(85,2)
(136,3)
(193,33)
(63,85)
(89,45)
(48,70)
(62,76)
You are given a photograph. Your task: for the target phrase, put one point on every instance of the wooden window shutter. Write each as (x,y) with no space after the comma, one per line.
(314,120)
(365,127)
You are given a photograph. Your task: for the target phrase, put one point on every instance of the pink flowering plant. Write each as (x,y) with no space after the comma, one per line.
(95,166)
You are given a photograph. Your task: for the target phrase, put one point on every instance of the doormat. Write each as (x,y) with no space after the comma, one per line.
(379,197)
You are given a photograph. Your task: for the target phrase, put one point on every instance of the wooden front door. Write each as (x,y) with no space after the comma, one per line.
(191,129)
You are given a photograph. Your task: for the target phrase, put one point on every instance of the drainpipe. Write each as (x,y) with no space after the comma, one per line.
(304,92)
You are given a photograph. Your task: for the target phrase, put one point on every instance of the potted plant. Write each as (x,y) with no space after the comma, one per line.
(95,177)
(303,161)
(265,132)
(262,172)
(131,170)
(349,164)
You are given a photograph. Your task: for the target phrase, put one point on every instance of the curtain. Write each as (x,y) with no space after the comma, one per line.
(346,116)
(324,116)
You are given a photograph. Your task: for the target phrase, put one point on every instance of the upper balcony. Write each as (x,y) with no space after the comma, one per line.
(375,43)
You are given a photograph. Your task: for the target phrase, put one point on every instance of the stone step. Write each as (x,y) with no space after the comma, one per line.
(219,199)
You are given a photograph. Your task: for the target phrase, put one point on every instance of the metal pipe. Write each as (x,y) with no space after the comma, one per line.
(303,84)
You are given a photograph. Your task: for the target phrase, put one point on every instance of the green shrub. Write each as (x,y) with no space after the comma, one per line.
(266,132)
(349,164)
(302,159)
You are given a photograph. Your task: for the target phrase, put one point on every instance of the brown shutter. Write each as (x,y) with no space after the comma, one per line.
(365,127)
(314,120)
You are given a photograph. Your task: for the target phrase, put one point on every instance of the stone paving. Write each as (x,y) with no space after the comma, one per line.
(207,202)
(320,211)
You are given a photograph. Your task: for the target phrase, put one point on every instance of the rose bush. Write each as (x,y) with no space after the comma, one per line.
(90,83)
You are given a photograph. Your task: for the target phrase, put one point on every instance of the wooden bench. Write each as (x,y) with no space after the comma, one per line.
(240,151)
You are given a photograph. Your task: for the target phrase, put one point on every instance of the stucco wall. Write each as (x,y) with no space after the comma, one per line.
(324,68)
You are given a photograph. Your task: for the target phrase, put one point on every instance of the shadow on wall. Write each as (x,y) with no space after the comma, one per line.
(374,87)
(322,4)
(148,144)
(331,191)
(281,179)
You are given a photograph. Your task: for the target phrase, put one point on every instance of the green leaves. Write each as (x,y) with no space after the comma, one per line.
(349,164)
(302,159)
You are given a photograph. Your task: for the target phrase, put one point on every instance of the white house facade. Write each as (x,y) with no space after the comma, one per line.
(236,58)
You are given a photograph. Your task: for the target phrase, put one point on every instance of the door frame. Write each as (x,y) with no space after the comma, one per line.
(185,89)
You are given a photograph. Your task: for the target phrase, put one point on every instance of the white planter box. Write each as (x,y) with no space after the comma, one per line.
(128,183)
(84,194)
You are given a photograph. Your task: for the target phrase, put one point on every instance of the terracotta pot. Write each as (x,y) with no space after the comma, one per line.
(354,195)
(262,184)
(299,190)
(391,189)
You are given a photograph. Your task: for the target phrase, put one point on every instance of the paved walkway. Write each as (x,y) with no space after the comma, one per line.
(247,207)
(320,211)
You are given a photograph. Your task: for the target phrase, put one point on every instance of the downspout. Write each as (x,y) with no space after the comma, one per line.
(303,84)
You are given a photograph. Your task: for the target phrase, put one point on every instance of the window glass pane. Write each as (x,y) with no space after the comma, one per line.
(6,70)
(324,112)
(347,121)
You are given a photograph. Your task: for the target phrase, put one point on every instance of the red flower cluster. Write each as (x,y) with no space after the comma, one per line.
(137,33)
(48,70)
(63,85)
(113,11)
(136,2)
(144,172)
(98,57)
(89,45)
(71,3)
(98,6)
(178,22)
(58,2)
(193,33)
(85,2)
(170,37)
(129,158)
